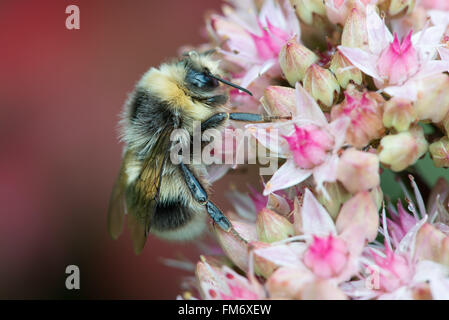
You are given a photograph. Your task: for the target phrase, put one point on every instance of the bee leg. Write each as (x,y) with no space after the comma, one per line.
(214,121)
(254,117)
(200,195)
(218,118)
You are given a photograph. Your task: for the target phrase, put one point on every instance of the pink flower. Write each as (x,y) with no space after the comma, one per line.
(365,111)
(399,274)
(252,39)
(309,145)
(396,270)
(399,61)
(400,223)
(326,256)
(329,251)
(396,67)
(315,155)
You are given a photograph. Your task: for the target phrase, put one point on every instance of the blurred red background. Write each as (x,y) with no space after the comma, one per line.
(61,92)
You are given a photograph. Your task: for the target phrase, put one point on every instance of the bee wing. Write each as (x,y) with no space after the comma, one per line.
(148,189)
(117,207)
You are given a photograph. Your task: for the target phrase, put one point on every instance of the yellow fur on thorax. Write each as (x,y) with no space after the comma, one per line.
(166,83)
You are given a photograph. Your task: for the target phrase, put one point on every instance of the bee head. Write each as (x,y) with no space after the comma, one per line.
(203,73)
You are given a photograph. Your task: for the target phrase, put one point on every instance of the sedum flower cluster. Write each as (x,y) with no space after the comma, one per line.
(364,81)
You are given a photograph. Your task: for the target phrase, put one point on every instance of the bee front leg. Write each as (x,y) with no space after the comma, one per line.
(218,118)
(200,195)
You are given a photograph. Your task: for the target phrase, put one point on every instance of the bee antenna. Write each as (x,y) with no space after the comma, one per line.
(231,84)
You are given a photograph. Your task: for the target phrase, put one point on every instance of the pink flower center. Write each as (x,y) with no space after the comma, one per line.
(309,145)
(399,61)
(395,270)
(326,256)
(355,108)
(270,43)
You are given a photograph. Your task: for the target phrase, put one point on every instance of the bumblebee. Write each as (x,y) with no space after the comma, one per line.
(169,200)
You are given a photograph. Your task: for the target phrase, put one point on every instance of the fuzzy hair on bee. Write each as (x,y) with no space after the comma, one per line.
(169,200)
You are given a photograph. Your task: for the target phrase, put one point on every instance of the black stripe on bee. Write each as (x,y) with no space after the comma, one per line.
(170,215)
(145,106)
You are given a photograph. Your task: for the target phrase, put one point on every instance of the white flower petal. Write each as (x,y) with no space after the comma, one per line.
(408,90)
(427,41)
(284,255)
(338,129)
(439,17)
(286,176)
(307,108)
(363,60)
(379,37)
(327,172)
(444,53)
(431,68)
(315,219)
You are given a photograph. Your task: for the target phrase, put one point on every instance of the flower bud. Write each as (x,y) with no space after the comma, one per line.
(428,243)
(321,84)
(401,150)
(337,196)
(358,170)
(439,151)
(397,7)
(294,60)
(279,100)
(322,290)
(378,196)
(262,266)
(278,204)
(354,33)
(365,112)
(272,227)
(434,92)
(286,283)
(445,123)
(234,247)
(209,271)
(306,9)
(344,71)
(399,114)
(359,212)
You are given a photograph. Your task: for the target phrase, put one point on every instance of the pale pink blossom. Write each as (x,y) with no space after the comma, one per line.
(399,274)
(324,252)
(397,67)
(253,39)
(310,148)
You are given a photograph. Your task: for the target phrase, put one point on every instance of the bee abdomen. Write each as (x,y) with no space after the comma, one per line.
(174,220)
(170,215)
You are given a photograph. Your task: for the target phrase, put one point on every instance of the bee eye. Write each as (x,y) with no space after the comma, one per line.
(202,80)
